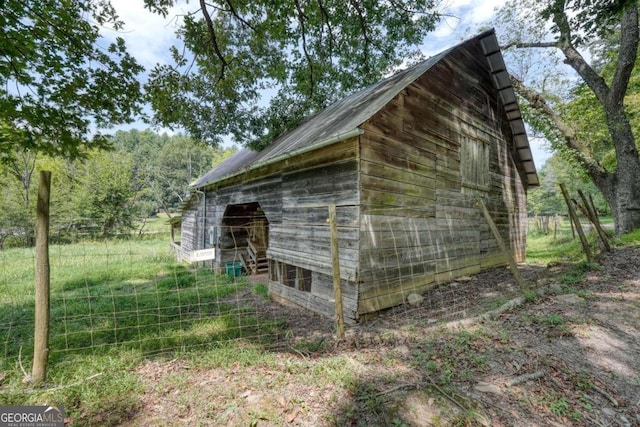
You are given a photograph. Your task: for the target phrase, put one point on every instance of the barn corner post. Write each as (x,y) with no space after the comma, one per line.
(42,294)
(335,258)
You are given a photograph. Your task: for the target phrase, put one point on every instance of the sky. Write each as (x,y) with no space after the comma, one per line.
(149,36)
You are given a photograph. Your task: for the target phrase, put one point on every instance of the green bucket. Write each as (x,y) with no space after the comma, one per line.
(234,269)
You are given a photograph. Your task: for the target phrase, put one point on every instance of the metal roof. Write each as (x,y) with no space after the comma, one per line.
(502,82)
(238,161)
(341,119)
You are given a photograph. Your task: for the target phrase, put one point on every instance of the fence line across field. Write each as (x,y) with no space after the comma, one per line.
(133,294)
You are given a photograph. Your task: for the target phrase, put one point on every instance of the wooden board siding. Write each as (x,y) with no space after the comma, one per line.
(322,303)
(190,229)
(304,239)
(294,196)
(420,224)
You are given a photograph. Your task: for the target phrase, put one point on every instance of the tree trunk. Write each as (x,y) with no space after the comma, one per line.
(626,180)
(625,205)
(621,190)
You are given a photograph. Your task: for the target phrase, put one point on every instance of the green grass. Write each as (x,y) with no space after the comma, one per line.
(561,246)
(113,304)
(631,238)
(128,294)
(157,224)
(542,250)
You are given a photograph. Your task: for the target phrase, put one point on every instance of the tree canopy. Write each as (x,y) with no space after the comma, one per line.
(305,54)
(589,123)
(60,82)
(104,192)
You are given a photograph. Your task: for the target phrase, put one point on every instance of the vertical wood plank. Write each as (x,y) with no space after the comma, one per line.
(42,294)
(335,260)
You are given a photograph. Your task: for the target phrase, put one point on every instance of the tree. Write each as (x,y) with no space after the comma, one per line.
(164,166)
(575,26)
(180,161)
(16,221)
(547,198)
(105,195)
(59,80)
(306,53)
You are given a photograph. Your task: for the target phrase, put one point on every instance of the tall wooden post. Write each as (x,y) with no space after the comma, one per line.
(593,217)
(576,221)
(42,315)
(335,257)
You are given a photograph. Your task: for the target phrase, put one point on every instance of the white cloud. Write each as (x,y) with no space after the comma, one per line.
(148,36)
(461,19)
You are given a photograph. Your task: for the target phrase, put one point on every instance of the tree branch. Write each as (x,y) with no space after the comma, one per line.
(574,59)
(214,40)
(301,19)
(579,150)
(626,56)
(363,27)
(327,21)
(523,45)
(238,17)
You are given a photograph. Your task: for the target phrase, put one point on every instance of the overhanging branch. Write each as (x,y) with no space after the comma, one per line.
(626,55)
(214,39)
(569,137)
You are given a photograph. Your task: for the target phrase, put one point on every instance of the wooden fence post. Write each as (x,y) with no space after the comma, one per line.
(576,221)
(42,296)
(503,247)
(337,290)
(593,217)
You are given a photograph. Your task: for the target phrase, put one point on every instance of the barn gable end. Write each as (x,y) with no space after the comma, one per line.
(405,162)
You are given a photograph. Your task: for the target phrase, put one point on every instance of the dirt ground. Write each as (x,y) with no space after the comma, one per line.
(566,354)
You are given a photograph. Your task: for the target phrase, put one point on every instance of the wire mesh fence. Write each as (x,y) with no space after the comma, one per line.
(126,294)
(132,294)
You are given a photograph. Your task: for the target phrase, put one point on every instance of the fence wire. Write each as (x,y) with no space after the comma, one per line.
(132,294)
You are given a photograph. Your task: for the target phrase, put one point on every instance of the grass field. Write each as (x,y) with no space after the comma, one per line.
(113,304)
(121,305)
(561,245)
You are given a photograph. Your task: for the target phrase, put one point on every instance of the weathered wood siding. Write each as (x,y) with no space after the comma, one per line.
(294,196)
(302,238)
(190,232)
(425,158)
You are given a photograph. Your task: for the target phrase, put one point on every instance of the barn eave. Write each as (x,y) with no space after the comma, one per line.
(502,82)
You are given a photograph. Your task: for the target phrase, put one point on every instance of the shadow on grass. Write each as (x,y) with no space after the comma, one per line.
(184,309)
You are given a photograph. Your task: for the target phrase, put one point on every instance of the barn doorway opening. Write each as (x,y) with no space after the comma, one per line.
(244,237)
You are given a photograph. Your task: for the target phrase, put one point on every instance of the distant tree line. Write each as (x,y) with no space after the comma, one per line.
(547,200)
(103,192)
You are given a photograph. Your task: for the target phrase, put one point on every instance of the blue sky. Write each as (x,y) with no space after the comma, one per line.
(150,36)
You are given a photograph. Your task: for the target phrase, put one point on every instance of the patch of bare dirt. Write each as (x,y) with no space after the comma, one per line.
(568,355)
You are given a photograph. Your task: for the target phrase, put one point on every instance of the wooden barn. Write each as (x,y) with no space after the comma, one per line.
(404,161)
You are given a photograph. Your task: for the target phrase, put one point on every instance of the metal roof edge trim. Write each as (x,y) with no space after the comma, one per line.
(491,48)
